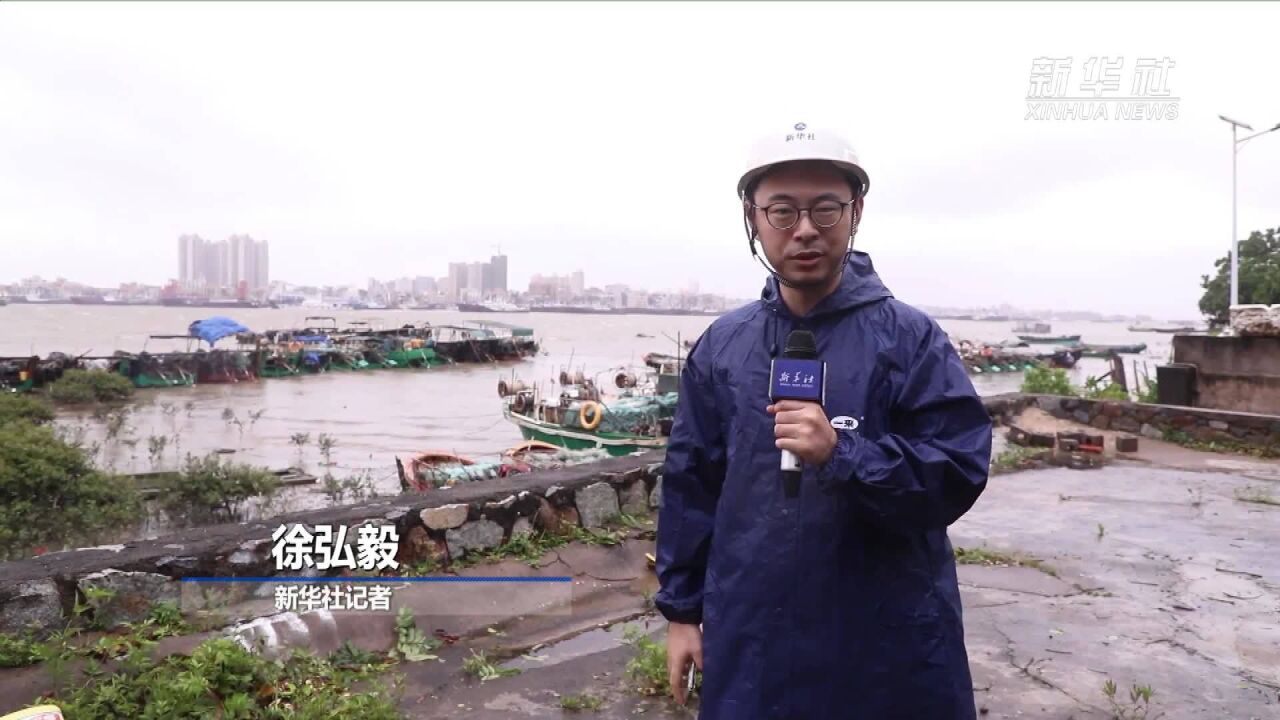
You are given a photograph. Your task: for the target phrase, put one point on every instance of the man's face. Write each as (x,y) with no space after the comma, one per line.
(805,253)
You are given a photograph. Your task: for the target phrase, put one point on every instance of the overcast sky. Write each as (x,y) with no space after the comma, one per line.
(368,140)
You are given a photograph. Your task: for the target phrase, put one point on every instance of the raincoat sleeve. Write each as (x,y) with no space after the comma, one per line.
(691,480)
(931,465)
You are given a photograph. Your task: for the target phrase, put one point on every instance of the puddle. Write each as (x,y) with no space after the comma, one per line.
(587,643)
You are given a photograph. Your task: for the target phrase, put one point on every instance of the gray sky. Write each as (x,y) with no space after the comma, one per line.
(387,140)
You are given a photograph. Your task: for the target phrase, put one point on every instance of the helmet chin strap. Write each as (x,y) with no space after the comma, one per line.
(751,241)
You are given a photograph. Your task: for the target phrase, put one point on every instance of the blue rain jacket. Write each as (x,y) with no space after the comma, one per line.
(842,603)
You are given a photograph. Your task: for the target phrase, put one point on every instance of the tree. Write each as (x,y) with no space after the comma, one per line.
(1259,277)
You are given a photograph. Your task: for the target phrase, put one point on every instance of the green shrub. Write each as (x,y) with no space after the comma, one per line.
(18,651)
(1094,389)
(210,490)
(1047,381)
(22,407)
(50,493)
(86,386)
(1150,393)
(221,679)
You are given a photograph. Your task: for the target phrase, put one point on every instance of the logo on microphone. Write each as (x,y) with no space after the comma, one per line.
(844,422)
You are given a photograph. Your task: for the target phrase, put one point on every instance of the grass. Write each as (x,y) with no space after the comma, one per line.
(647,669)
(578,703)
(1256,496)
(117,676)
(1179,437)
(480,666)
(530,547)
(19,650)
(1018,458)
(995,558)
(1138,707)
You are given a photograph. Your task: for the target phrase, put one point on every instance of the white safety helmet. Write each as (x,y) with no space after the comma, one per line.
(801,142)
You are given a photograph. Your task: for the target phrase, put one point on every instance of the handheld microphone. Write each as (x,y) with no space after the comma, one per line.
(797,375)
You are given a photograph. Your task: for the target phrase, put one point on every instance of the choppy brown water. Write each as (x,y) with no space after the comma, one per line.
(377,415)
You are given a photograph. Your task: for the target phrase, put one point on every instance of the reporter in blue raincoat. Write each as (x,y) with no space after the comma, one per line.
(841,603)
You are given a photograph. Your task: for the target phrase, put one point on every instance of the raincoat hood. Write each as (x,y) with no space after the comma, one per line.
(859,285)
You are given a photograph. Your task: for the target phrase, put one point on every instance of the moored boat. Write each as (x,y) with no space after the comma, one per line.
(1050,339)
(579,418)
(1093,350)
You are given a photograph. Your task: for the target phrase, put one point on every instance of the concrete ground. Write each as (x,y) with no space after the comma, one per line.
(1155,572)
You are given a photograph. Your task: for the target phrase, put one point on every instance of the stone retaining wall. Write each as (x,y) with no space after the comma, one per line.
(447,524)
(40,592)
(1147,420)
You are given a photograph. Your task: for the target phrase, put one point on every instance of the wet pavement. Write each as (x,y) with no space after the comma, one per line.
(1152,575)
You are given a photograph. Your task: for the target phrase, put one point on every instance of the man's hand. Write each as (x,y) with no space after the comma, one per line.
(684,644)
(803,428)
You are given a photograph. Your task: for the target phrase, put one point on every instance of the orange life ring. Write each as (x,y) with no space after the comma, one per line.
(295,346)
(595,410)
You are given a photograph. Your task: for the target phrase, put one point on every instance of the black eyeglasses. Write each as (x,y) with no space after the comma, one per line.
(785,215)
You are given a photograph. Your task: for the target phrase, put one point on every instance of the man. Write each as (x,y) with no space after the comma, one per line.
(840,602)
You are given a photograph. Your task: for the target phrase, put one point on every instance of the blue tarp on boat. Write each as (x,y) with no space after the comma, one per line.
(213,329)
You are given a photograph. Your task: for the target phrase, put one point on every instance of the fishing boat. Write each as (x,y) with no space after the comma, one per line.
(1035,328)
(438,469)
(1011,357)
(1050,339)
(1157,329)
(145,370)
(578,417)
(1092,350)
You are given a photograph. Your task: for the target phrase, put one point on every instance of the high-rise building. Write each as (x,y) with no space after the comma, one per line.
(214,267)
(262,278)
(190,259)
(457,280)
(475,278)
(497,274)
(578,283)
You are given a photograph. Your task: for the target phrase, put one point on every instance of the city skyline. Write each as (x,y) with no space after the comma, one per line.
(971,201)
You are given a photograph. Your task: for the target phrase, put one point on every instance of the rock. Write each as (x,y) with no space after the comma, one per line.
(1070,404)
(1102,422)
(31,605)
(133,595)
(1218,425)
(1111,409)
(184,565)
(445,516)
(1126,424)
(1081,417)
(396,514)
(1239,431)
(522,526)
(418,545)
(655,497)
(554,520)
(635,501)
(1182,421)
(1256,320)
(505,504)
(597,504)
(475,535)
(1149,432)
(1047,403)
(502,512)
(654,470)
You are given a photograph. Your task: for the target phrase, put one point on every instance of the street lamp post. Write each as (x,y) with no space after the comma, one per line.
(1235,241)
